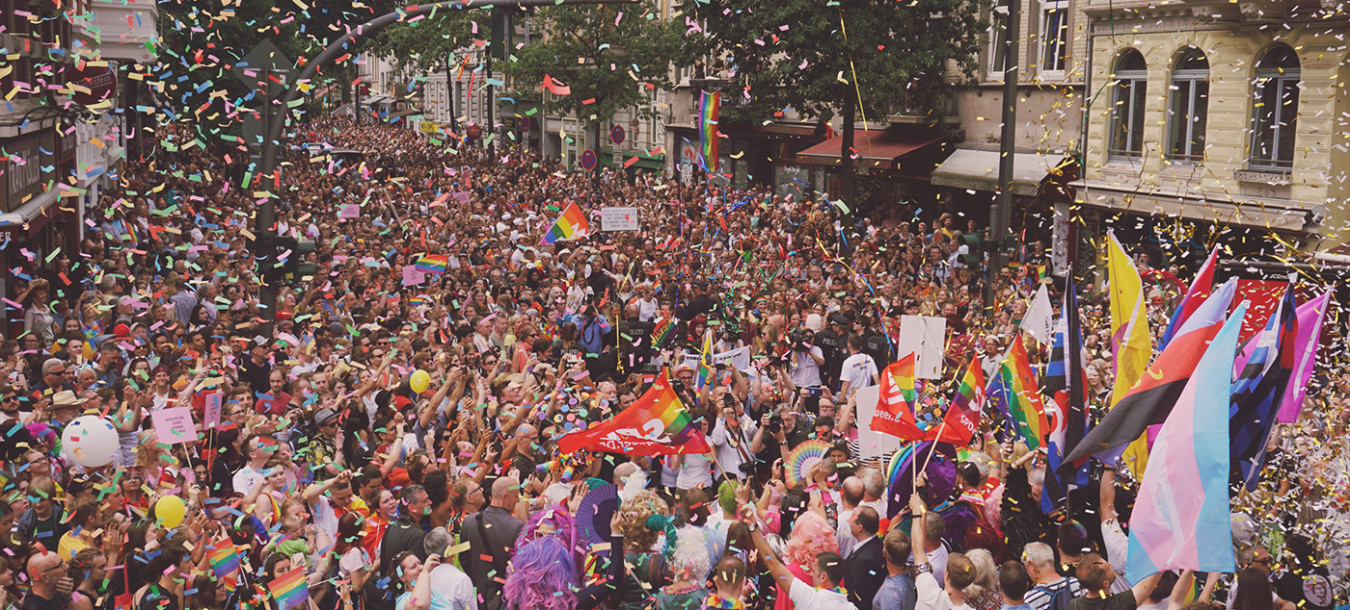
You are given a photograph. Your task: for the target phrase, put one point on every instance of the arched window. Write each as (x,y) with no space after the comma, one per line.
(1127,105)
(1275,109)
(1188,109)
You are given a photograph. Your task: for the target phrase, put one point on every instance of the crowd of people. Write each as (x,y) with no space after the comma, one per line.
(317,451)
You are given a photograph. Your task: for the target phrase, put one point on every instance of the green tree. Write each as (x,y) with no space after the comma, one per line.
(820,58)
(611,56)
(428,44)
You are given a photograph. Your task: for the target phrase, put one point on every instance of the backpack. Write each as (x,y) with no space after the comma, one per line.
(1059,600)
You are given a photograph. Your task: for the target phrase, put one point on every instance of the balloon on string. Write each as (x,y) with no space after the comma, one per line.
(170,511)
(90,441)
(420,381)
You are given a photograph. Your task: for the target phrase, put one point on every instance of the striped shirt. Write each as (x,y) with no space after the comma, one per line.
(1039,597)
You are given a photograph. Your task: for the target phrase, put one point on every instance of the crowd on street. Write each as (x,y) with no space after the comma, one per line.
(386,435)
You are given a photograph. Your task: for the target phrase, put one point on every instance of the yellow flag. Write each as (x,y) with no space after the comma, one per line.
(1130,340)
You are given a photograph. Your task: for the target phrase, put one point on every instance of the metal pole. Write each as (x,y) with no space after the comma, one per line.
(266,215)
(1000,216)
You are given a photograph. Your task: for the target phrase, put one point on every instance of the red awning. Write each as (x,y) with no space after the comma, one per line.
(874,148)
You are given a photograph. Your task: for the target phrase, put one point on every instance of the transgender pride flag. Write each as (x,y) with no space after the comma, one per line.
(1183,498)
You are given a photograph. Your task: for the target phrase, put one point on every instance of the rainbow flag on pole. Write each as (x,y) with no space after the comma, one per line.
(705,364)
(963,415)
(432,263)
(290,589)
(1024,398)
(224,559)
(708,106)
(634,430)
(571,224)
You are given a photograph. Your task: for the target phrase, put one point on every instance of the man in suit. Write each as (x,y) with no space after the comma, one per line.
(492,533)
(865,569)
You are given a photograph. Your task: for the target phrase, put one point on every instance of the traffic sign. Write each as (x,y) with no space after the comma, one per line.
(616,134)
(588,159)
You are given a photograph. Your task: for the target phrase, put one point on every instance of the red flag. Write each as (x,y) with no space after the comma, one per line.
(895,406)
(963,414)
(657,424)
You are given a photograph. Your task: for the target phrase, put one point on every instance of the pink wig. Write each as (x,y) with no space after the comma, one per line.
(811,536)
(542,576)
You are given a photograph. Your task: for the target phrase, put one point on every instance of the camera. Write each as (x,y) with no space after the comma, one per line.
(775,423)
(800,339)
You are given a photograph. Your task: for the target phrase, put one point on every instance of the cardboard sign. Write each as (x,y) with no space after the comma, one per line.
(413,277)
(619,219)
(174,425)
(350,210)
(213,406)
(924,337)
(871,443)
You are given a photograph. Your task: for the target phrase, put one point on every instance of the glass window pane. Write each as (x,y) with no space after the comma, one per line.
(1179,120)
(1197,150)
(1264,106)
(1140,91)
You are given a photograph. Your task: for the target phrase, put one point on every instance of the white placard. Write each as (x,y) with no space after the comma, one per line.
(739,358)
(618,219)
(870,442)
(924,336)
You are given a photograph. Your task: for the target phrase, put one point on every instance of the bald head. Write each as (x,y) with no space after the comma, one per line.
(505,490)
(853,491)
(43,568)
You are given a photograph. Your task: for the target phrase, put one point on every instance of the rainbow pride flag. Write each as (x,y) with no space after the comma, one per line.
(570,224)
(224,559)
(634,431)
(705,364)
(708,107)
(963,414)
(289,589)
(1024,399)
(432,263)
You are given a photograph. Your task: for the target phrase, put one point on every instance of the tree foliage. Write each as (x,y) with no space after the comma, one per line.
(431,43)
(825,57)
(611,56)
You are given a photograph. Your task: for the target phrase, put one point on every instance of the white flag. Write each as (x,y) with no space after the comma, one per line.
(1038,321)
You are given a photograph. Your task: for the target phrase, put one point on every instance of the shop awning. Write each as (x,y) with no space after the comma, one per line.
(877,149)
(35,213)
(978,170)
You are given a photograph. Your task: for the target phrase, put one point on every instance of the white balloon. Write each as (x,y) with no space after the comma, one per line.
(90,441)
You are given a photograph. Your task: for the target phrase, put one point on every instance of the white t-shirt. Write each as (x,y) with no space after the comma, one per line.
(844,532)
(807,597)
(695,470)
(805,373)
(859,370)
(246,478)
(451,589)
(932,596)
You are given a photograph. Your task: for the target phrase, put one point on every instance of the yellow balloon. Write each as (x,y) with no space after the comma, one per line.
(419,381)
(170,510)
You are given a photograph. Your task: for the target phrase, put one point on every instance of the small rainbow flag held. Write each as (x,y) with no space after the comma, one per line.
(963,414)
(570,224)
(432,263)
(289,589)
(705,364)
(1024,399)
(708,106)
(634,431)
(224,559)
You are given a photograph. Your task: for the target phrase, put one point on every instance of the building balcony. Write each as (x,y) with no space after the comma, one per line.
(121,29)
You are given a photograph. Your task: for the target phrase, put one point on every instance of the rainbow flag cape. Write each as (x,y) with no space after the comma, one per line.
(432,263)
(705,364)
(708,106)
(1024,398)
(289,589)
(570,224)
(224,559)
(657,424)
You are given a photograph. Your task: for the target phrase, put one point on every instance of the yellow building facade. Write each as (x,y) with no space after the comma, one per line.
(1233,113)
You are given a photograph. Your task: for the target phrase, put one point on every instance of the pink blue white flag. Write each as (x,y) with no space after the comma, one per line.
(1181,518)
